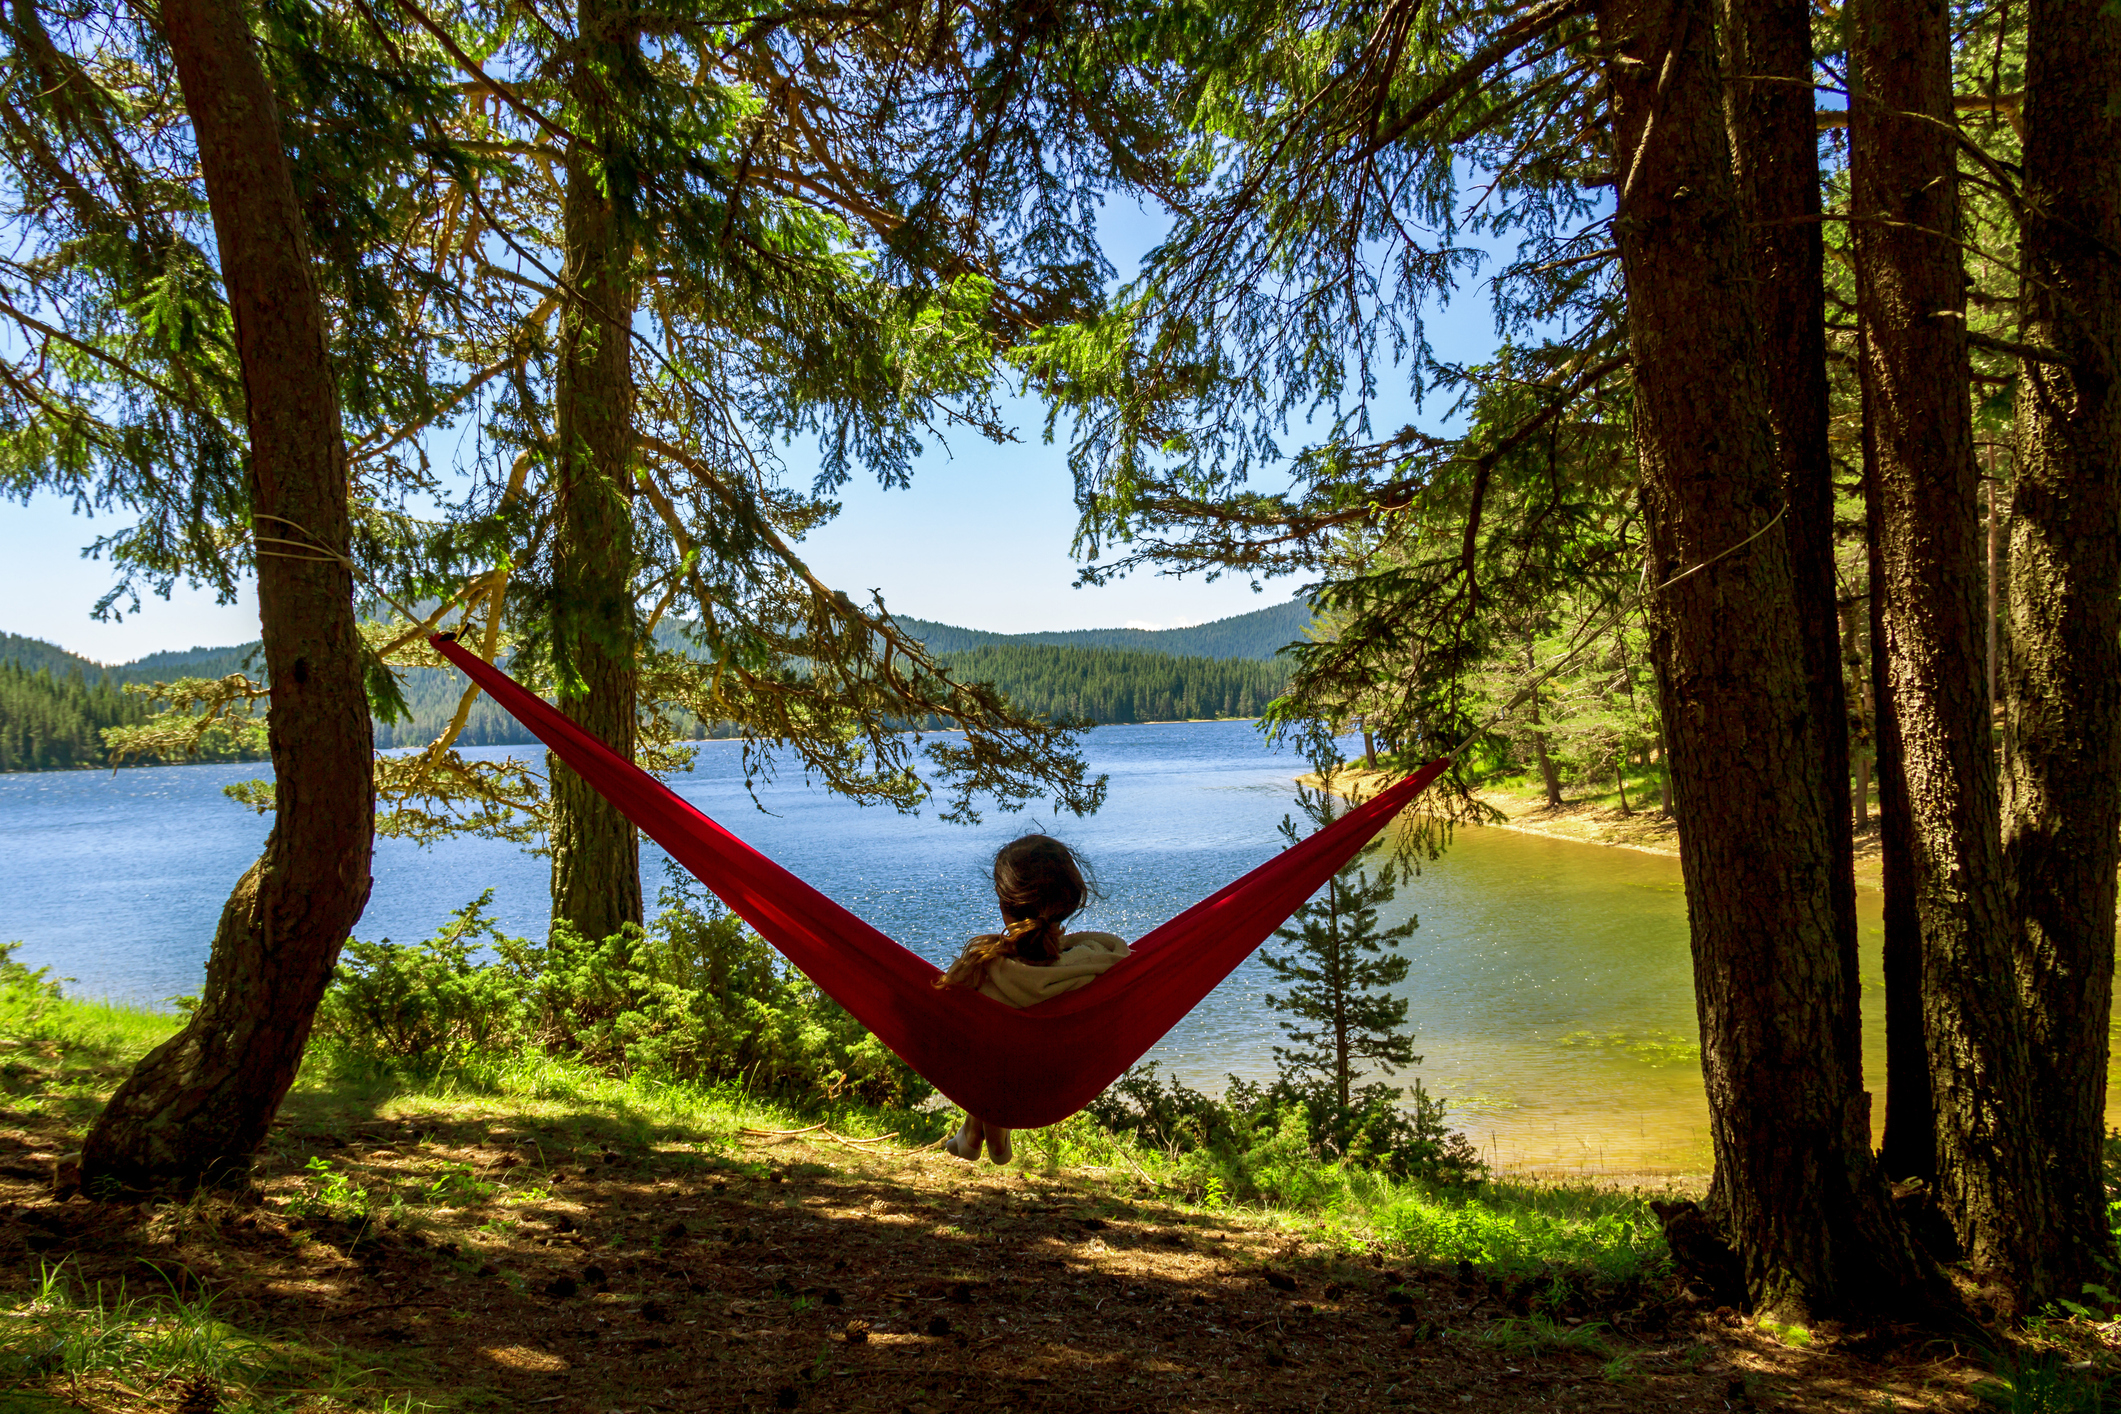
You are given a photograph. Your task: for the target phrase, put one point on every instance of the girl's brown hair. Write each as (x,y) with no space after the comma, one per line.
(1039,883)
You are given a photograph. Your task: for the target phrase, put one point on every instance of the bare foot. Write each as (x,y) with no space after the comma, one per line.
(998,1144)
(965,1144)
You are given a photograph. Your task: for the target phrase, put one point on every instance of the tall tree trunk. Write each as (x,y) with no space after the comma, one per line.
(1926,579)
(596,861)
(1549,778)
(1993,580)
(199,1105)
(2062,666)
(1774,139)
(1908,1147)
(1789,1121)
(1860,755)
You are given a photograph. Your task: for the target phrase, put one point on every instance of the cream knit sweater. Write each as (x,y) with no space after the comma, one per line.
(1084,958)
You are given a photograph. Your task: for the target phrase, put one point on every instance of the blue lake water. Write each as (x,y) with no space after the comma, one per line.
(116,880)
(1550,988)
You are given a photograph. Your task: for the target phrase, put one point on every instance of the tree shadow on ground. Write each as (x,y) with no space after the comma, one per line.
(476,1251)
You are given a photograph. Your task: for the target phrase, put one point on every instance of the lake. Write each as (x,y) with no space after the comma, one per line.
(1550,983)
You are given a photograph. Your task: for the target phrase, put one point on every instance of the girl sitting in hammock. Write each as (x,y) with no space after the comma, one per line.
(1039,884)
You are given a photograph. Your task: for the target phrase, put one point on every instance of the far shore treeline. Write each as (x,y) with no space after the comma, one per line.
(54,704)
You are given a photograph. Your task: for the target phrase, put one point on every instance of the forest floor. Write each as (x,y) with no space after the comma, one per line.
(457,1247)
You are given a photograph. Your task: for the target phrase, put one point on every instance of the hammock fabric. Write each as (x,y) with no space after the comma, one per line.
(1018,1069)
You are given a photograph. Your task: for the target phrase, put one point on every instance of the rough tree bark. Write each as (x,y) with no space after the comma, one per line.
(1861,746)
(596,862)
(1926,581)
(2062,665)
(199,1104)
(1774,141)
(1796,1187)
(1908,1147)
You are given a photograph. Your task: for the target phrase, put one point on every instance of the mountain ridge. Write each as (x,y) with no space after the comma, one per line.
(198,661)
(1225,668)
(1258,635)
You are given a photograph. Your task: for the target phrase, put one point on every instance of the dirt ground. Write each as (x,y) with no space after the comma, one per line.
(559,1262)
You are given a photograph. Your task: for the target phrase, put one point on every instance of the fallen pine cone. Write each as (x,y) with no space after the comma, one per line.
(857,1332)
(200,1396)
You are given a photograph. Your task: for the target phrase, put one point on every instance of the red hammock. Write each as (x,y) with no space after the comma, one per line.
(1018,1069)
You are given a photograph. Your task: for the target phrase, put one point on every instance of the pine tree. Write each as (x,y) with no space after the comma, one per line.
(1341,1018)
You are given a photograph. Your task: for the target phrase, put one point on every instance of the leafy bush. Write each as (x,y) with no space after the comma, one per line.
(695,996)
(411,1002)
(25,994)
(1256,1138)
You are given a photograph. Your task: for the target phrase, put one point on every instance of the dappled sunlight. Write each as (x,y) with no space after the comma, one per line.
(543,1234)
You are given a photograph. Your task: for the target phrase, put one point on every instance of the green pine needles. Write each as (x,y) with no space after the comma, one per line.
(1342,1021)
(1337,970)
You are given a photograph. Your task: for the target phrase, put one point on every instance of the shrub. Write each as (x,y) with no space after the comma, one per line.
(426,999)
(1253,1137)
(695,996)
(25,994)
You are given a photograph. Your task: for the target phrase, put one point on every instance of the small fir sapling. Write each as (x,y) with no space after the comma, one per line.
(1340,1017)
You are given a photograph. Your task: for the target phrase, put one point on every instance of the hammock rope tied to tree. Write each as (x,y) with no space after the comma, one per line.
(1021,1069)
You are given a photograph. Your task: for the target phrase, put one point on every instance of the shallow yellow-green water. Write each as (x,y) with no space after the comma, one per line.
(1552,999)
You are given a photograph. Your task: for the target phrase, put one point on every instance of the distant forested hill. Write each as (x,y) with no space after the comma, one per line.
(1107,685)
(195,663)
(1154,677)
(35,653)
(1093,684)
(432,694)
(49,722)
(55,704)
(1255,635)
(1218,669)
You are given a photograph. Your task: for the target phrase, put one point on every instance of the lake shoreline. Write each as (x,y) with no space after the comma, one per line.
(1585,822)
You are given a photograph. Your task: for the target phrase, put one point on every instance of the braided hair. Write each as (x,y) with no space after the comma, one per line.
(1039,883)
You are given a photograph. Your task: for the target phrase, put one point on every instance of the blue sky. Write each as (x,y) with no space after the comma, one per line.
(981,539)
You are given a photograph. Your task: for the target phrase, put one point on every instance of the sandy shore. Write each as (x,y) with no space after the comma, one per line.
(1648,831)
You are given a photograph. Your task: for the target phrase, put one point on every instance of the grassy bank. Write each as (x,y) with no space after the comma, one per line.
(517,1230)
(73,1051)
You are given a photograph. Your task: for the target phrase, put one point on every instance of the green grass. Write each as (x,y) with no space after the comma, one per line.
(63,1332)
(147,1340)
(1537,1334)
(157,1343)
(1645,784)
(1515,1229)
(1503,1228)
(2043,1382)
(60,1057)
